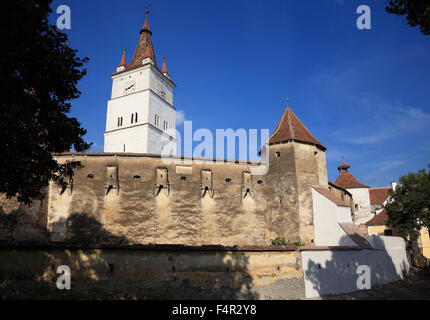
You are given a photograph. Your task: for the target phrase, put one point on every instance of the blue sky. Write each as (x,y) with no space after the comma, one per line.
(364,94)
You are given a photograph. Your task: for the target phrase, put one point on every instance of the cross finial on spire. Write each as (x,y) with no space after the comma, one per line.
(287,101)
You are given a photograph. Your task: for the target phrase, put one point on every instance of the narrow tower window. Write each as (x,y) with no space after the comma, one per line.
(135,117)
(132,115)
(121,121)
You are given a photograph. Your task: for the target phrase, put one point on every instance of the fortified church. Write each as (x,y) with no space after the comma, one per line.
(132,225)
(132,194)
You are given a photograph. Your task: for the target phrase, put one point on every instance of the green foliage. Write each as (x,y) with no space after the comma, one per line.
(282,242)
(38,78)
(409,210)
(417,12)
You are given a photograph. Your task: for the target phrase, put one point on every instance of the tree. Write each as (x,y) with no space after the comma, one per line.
(417,12)
(409,208)
(38,78)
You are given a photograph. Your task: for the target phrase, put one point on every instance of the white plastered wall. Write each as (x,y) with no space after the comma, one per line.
(336,271)
(327,216)
(361,197)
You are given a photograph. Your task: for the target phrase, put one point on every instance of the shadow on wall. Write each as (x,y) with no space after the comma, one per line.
(138,272)
(342,271)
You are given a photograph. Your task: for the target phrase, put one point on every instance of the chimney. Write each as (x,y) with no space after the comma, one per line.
(393,185)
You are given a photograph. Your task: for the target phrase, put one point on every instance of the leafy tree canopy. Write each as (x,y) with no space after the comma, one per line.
(409,209)
(417,12)
(38,78)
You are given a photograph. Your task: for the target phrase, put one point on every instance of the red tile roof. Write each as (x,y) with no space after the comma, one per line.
(347,181)
(123,61)
(326,193)
(378,219)
(290,128)
(378,195)
(164,68)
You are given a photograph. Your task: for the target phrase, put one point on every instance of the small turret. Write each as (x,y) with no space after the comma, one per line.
(123,63)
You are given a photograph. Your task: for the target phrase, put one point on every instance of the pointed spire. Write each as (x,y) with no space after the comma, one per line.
(144,47)
(164,68)
(146,24)
(123,60)
(290,128)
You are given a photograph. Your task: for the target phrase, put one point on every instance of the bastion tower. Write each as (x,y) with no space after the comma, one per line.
(140,114)
(297,164)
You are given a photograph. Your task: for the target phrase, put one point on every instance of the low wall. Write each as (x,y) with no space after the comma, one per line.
(152,274)
(335,271)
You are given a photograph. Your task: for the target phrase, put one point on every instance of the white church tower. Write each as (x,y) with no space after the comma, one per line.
(140,114)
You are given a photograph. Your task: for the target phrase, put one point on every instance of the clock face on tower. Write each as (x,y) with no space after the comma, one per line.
(129,87)
(161,90)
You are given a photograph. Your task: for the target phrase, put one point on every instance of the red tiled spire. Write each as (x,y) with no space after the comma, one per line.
(144,47)
(290,128)
(164,68)
(146,24)
(123,61)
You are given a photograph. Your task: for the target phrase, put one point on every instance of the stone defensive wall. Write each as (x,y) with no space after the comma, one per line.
(141,199)
(153,272)
(197,272)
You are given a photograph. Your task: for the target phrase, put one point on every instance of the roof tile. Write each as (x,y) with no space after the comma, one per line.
(378,219)
(379,195)
(326,193)
(291,128)
(348,181)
